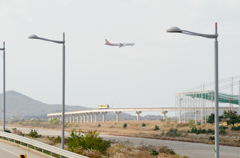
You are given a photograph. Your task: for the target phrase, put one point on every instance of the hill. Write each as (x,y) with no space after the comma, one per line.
(19,105)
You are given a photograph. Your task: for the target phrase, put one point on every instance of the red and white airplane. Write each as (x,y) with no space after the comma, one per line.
(118,44)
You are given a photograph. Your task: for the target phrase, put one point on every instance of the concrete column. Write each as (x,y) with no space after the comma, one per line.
(87,115)
(81,118)
(77,117)
(91,117)
(70,118)
(73,118)
(138,113)
(96,113)
(195,113)
(103,113)
(66,118)
(164,114)
(84,118)
(117,115)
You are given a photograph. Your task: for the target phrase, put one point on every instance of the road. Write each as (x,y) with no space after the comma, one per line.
(8,150)
(192,150)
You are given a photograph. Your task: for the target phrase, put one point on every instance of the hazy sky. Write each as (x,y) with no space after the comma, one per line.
(147,74)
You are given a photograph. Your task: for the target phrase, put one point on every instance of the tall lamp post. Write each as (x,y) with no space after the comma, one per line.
(3,49)
(178,30)
(63,78)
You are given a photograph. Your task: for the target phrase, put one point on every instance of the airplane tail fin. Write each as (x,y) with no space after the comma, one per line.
(107,43)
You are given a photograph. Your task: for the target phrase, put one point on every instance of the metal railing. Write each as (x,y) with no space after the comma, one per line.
(37,144)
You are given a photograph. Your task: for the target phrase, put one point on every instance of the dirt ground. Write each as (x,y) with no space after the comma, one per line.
(136,129)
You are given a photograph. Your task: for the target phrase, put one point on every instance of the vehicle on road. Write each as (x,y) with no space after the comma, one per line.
(103,106)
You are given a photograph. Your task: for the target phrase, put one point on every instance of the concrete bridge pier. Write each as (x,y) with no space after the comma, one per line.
(103,113)
(91,117)
(164,114)
(84,118)
(87,115)
(81,118)
(96,114)
(77,118)
(195,113)
(73,118)
(117,115)
(70,118)
(138,113)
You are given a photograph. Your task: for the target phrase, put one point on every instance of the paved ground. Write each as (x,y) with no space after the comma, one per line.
(193,150)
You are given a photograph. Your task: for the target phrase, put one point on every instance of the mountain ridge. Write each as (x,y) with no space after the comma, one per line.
(20,105)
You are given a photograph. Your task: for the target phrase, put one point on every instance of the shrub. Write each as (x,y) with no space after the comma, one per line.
(34,134)
(162,133)
(20,122)
(55,140)
(14,130)
(37,122)
(198,132)
(173,133)
(203,131)
(153,153)
(124,125)
(191,123)
(166,150)
(143,125)
(210,131)
(198,123)
(99,125)
(194,130)
(222,131)
(234,128)
(211,137)
(7,130)
(223,127)
(75,125)
(90,141)
(156,128)
(54,121)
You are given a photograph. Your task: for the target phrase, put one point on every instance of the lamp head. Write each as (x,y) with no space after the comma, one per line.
(174,30)
(33,37)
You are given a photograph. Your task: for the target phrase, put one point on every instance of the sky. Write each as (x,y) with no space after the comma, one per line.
(148,74)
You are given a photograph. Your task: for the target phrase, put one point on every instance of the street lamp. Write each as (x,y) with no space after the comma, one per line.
(3,49)
(178,30)
(63,78)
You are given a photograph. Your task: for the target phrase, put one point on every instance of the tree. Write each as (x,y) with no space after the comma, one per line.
(231,117)
(238,119)
(211,118)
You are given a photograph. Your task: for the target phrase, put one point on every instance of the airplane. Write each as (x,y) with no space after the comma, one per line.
(118,44)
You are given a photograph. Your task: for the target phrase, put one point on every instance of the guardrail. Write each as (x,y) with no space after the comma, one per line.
(43,146)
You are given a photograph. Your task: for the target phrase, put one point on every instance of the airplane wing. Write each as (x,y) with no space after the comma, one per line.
(128,44)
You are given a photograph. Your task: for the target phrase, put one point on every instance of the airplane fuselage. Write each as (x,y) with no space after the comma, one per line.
(119,44)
